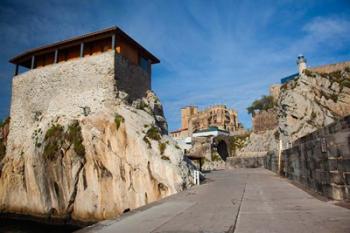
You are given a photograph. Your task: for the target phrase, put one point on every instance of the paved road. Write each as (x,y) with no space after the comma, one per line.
(239,201)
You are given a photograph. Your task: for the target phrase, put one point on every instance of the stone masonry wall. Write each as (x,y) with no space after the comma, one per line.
(321,160)
(131,78)
(62,89)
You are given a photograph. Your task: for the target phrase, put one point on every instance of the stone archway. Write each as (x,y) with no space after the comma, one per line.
(222,150)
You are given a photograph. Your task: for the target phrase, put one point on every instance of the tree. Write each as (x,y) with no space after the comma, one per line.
(264,103)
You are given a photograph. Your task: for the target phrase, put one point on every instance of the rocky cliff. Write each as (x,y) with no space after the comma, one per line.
(93,167)
(305,104)
(78,147)
(312,101)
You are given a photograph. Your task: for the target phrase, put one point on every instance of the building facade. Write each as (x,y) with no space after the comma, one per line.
(193,120)
(131,63)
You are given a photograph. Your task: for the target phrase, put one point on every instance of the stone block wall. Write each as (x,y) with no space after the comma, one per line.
(271,161)
(321,160)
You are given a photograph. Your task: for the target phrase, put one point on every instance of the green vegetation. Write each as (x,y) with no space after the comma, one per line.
(264,103)
(341,78)
(56,137)
(142,105)
(153,133)
(74,136)
(118,120)
(216,157)
(309,73)
(162,147)
(238,141)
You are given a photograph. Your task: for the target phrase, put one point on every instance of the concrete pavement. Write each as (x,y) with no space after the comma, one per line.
(240,201)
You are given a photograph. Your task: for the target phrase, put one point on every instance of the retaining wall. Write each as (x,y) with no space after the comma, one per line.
(321,160)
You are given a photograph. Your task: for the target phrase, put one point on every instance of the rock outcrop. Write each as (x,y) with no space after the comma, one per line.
(312,101)
(258,144)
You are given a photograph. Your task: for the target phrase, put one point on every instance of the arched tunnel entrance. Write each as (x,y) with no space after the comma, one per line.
(222,149)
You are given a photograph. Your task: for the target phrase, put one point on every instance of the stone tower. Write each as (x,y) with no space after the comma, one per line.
(301,62)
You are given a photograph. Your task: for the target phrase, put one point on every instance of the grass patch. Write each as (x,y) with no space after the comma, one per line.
(118,120)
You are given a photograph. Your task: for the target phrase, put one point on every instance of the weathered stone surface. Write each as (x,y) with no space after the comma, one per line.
(312,101)
(259,144)
(265,120)
(106,164)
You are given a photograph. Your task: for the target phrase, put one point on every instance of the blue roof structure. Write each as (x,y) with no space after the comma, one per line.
(288,78)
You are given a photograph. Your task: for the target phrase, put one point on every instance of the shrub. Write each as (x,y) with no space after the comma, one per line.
(162,147)
(118,120)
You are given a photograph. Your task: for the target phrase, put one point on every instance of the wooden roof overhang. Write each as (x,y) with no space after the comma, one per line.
(25,57)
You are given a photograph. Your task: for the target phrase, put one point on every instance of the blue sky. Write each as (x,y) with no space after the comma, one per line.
(211,52)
